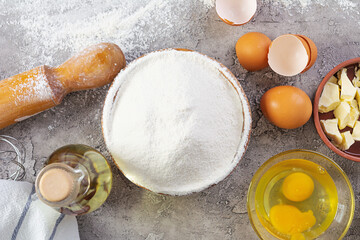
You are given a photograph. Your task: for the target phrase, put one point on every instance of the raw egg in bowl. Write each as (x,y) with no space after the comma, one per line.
(300,194)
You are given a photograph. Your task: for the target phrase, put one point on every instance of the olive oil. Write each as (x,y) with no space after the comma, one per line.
(91,179)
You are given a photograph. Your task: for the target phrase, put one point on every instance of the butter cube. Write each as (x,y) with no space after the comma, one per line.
(356,80)
(354,113)
(338,74)
(356,131)
(330,127)
(348,90)
(347,140)
(333,79)
(354,116)
(354,104)
(342,113)
(330,98)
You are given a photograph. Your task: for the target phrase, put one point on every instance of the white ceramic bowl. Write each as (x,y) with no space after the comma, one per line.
(114,94)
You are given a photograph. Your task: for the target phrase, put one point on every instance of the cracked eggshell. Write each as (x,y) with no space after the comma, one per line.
(313,51)
(288,55)
(236,12)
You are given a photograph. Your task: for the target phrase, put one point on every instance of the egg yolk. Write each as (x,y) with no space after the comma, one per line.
(297,236)
(289,220)
(298,187)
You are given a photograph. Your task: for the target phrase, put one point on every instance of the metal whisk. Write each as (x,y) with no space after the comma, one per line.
(12,156)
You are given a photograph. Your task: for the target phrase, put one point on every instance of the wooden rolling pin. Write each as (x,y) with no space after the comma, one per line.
(43,87)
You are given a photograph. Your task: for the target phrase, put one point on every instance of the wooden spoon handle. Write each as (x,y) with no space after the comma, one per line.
(41,88)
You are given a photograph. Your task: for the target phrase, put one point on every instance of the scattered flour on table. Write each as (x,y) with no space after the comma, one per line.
(48,28)
(347,6)
(208,3)
(301,5)
(48,32)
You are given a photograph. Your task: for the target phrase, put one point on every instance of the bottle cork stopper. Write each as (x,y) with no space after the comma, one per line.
(56,184)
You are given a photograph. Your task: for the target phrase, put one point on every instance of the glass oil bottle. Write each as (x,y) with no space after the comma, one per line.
(76,180)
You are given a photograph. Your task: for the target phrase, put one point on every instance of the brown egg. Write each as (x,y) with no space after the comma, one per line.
(252,51)
(286,106)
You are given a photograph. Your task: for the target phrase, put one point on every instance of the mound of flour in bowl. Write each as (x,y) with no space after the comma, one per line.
(173,122)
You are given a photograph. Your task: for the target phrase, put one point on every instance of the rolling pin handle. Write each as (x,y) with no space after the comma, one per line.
(43,87)
(94,67)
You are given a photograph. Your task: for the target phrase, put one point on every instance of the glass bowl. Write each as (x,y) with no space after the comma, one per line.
(346,203)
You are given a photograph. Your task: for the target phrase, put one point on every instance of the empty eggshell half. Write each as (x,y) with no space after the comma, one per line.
(306,46)
(313,51)
(236,12)
(288,56)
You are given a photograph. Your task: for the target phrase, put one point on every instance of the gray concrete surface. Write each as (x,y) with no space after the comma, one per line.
(216,213)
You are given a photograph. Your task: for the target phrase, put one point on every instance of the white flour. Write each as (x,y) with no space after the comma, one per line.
(176,126)
(307,3)
(34,89)
(299,4)
(208,3)
(347,7)
(72,25)
(48,28)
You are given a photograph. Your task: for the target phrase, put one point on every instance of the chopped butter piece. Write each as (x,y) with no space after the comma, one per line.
(330,98)
(338,74)
(330,127)
(354,116)
(354,113)
(347,140)
(354,104)
(356,131)
(356,80)
(333,79)
(348,90)
(342,113)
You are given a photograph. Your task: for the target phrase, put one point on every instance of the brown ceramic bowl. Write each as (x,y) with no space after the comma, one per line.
(116,85)
(354,152)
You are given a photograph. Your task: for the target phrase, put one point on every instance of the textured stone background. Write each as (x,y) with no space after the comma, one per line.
(219,212)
